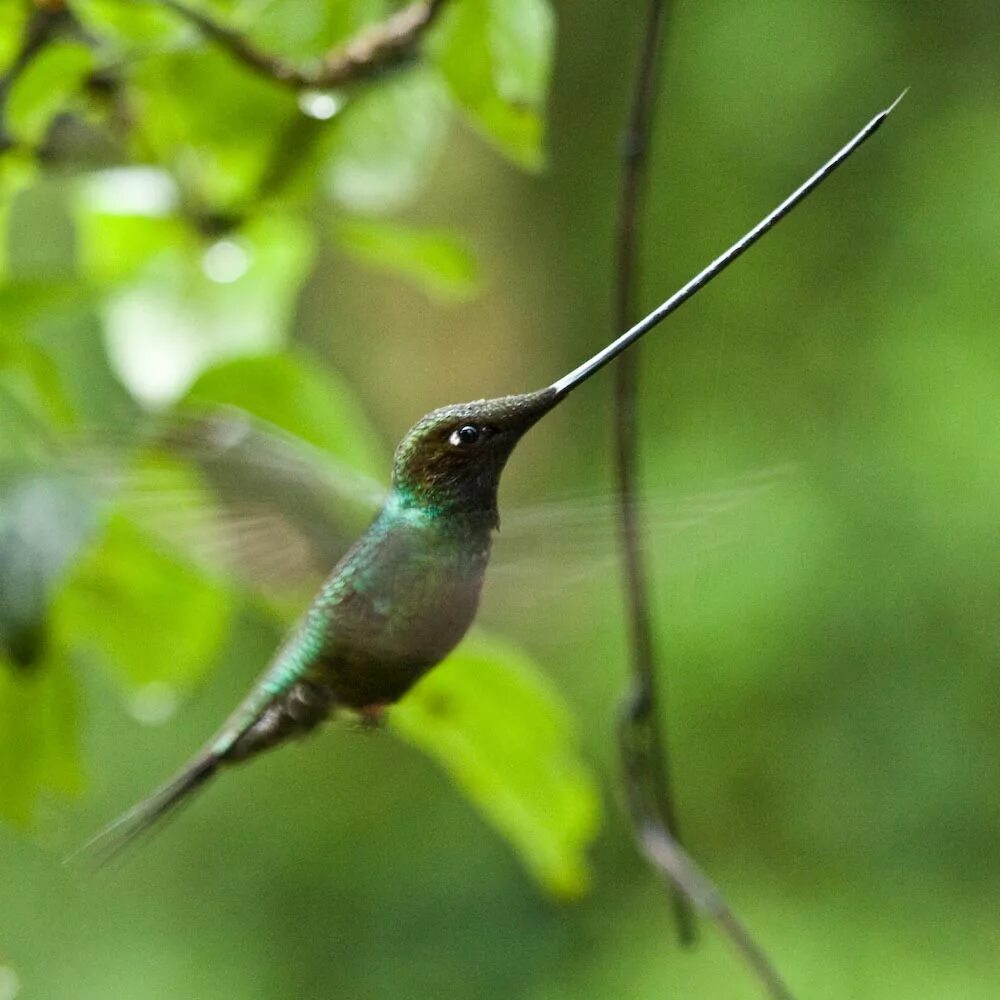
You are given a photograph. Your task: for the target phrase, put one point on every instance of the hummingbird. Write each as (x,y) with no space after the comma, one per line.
(404,595)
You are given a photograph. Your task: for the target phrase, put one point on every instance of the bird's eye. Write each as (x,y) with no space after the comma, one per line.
(465,435)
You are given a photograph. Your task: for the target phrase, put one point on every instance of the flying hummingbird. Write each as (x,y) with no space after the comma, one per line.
(406,592)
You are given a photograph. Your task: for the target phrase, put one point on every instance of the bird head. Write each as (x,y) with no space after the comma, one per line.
(450,461)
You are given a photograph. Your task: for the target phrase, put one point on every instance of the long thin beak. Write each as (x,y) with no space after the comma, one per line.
(569,382)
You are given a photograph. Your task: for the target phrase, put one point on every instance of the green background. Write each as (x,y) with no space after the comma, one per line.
(820,451)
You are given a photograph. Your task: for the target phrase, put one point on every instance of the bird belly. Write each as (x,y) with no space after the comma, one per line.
(382,645)
(392,609)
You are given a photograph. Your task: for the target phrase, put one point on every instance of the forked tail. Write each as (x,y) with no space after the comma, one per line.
(106,845)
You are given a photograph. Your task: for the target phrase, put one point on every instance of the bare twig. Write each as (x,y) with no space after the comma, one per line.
(642,744)
(374,50)
(645,708)
(45,22)
(675,865)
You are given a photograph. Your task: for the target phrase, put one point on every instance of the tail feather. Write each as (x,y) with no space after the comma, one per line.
(142,818)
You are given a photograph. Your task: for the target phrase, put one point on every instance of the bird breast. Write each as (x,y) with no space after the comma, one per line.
(395,606)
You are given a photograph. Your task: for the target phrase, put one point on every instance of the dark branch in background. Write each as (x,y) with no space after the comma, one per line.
(376,49)
(49,21)
(675,865)
(642,745)
(644,706)
(44,23)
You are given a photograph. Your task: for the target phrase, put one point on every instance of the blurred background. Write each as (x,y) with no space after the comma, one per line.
(820,440)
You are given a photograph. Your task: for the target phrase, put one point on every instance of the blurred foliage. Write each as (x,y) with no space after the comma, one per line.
(38,735)
(182,287)
(506,737)
(221,299)
(183,246)
(434,259)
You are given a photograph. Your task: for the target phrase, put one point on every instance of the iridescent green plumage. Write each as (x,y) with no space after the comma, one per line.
(405,594)
(395,605)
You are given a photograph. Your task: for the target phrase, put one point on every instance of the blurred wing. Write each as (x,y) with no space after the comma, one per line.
(547,549)
(236,496)
(44,523)
(243,498)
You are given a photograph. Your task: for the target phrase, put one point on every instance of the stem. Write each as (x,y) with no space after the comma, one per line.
(646,699)
(45,22)
(642,744)
(676,866)
(371,52)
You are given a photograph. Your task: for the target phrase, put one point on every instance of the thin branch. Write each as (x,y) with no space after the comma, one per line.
(642,744)
(674,864)
(46,21)
(645,703)
(373,51)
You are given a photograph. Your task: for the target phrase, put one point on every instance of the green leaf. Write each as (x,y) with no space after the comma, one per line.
(298,396)
(45,88)
(12,19)
(505,736)
(435,260)
(303,29)
(388,141)
(125,218)
(38,738)
(522,40)
(496,56)
(210,122)
(196,303)
(132,28)
(151,617)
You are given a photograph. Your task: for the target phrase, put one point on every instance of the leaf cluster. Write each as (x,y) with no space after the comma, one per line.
(165,192)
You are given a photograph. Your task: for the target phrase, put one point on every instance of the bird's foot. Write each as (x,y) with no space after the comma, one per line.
(371,717)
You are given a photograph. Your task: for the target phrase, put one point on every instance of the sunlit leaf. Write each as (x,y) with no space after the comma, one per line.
(522,40)
(211,122)
(304,29)
(132,27)
(52,78)
(299,396)
(388,141)
(198,302)
(12,18)
(125,217)
(38,738)
(435,260)
(496,58)
(115,248)
(505,736)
